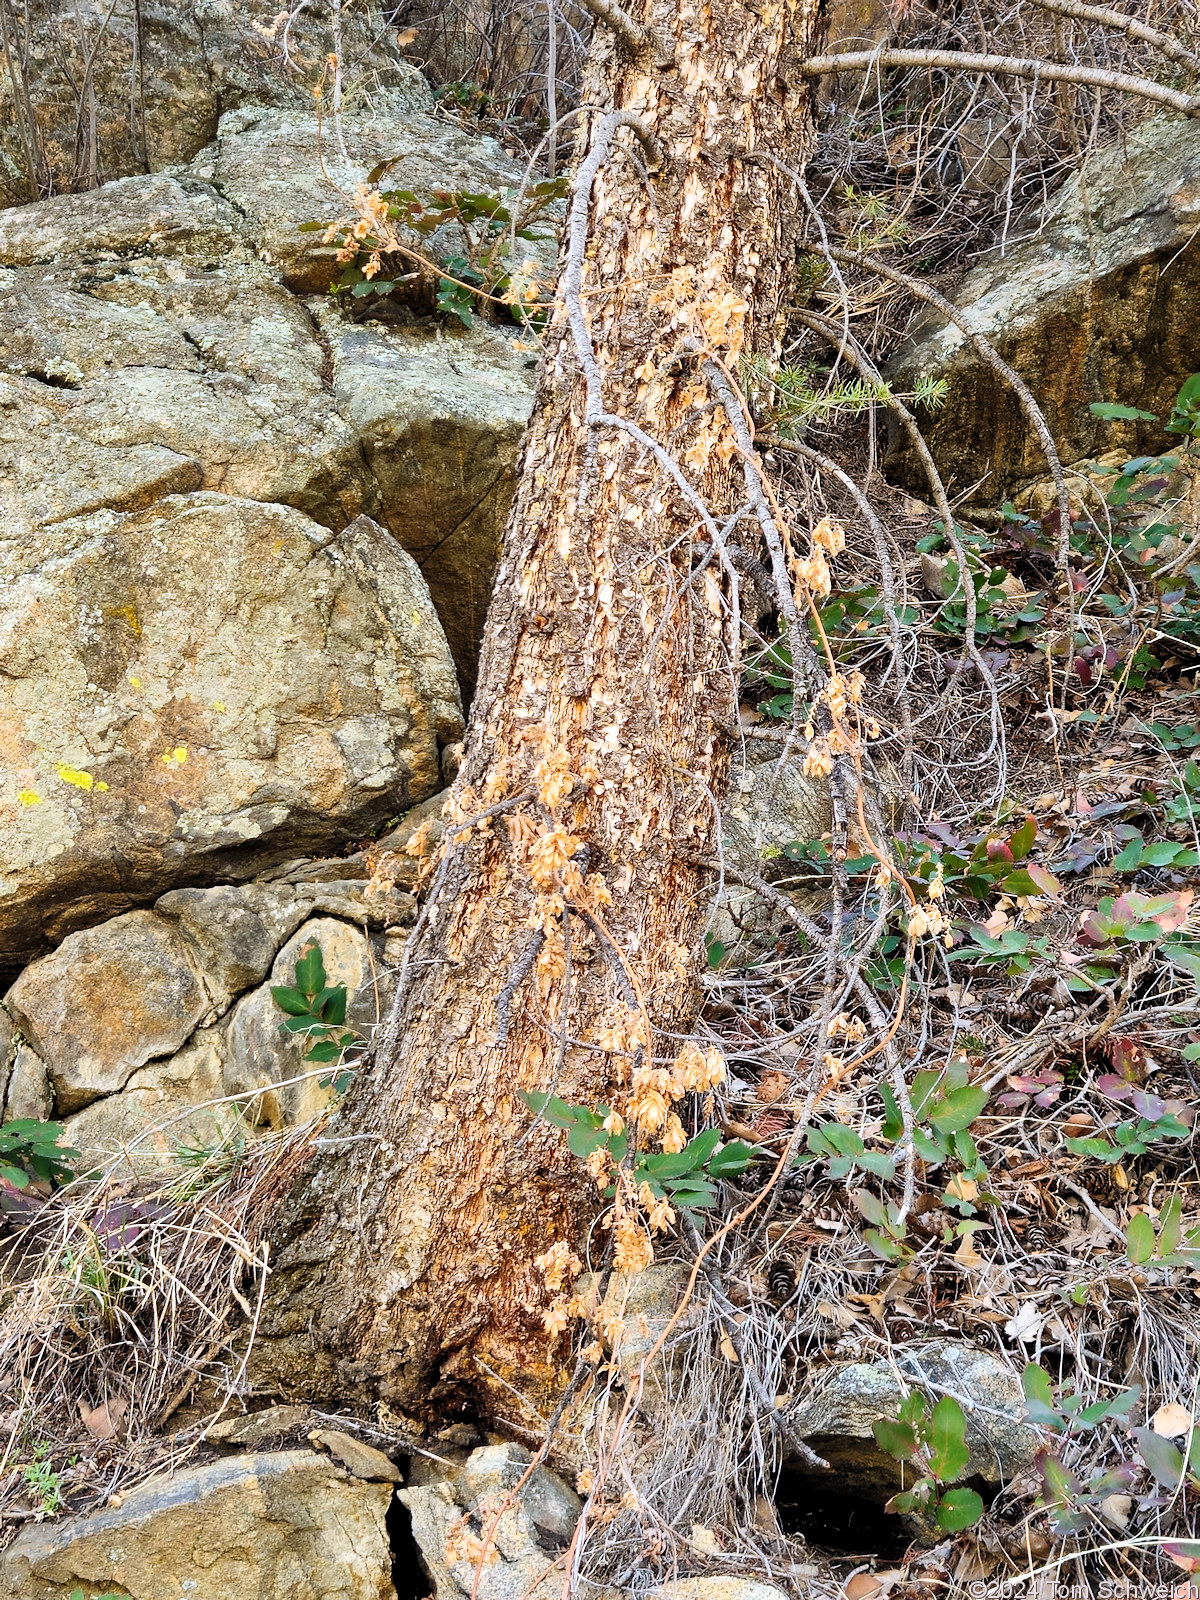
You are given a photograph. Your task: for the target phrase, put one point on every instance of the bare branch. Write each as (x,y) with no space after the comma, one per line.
(614,16)
(1010,66)
(988,352)
(1162,42)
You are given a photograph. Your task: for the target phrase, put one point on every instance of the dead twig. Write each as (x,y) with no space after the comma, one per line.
(1006,66)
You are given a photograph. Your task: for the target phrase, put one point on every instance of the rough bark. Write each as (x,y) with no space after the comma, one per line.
(406,1261)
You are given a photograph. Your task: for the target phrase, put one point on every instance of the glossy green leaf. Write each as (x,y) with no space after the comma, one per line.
(290,1000)
(1139,1238)
(1022,841)
(310,970)
(732,1158)
(948,1451)
(958,1509)
(957,1110)
(897,1438)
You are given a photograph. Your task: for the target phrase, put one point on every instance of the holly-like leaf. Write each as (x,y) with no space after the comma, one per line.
(958,1509)
(948,1451)
(310,970)
(1160,1455)
(1139,1239)
(957,1110)
(896,1438)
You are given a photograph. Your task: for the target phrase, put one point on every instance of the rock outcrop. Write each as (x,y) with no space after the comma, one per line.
(199,689)
(451,1512)
(157,1029)
(1101,302)
(836,1417)
(290,1523)
(216,655)
(107,92)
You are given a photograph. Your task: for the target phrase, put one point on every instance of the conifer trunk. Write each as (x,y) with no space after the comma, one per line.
(405,1262)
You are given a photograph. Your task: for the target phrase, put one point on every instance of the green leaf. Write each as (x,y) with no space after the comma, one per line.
(555,1110)
(928,1148)
(1036,1385)
(884,1246)
(896,1438)
(1129,858)
(948,1451)
(844,1140)
(871,1207)
(1099,1148)
(914,1499)
(673,1164)
(14,1175)
(716,953)
(958,1509)
(1161,853)
(1188,961)
(923,1085)
(1139,1238)
(1031,880)
(1160,1455)
(733,1158)
(331,1005)
(1022,841)
(1102,1410)
(327,1051)
(310,970)
(699,1149)
(290,1000)
(875,1161)
(582,1139)
(893,1122)
(1059,1488)
(304,1024)
(1170,1220)
(957,1110)
(1109,411)
(693,1194)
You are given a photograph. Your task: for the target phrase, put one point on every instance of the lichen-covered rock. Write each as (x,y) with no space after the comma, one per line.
(162,1108)
(165,720)
(146,350)
(243,1528)
(1100,303)
(440,413)
(836,1418)
(551,1505)
(130,1031)
(449,1515)
(159,75)
(282,170)
(108,1000)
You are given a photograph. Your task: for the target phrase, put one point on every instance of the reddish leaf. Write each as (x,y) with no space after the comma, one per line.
(1046,881)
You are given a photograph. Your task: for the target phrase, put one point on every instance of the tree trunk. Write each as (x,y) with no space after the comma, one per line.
(406,1268)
